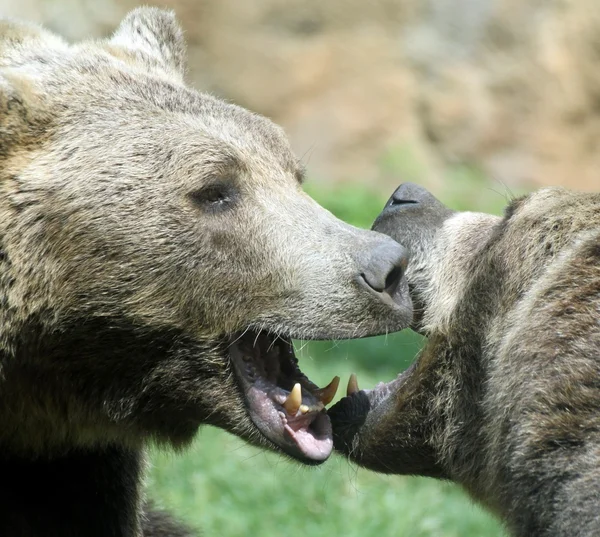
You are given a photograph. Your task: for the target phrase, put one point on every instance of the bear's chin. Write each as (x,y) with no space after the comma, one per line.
(283,404)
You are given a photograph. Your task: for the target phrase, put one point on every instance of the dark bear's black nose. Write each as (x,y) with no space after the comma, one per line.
(410,194)
(411,214)
(385,266)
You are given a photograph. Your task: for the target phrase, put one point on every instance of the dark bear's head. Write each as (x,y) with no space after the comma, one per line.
(158,253)
(478,261)
(467,272)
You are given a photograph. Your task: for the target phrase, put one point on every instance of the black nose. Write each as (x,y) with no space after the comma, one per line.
(410,194)
(385,266)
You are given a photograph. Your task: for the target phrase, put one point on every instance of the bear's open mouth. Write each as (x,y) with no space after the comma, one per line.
(286,407)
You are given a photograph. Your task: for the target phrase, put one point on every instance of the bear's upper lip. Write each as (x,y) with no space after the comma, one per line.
(286,407)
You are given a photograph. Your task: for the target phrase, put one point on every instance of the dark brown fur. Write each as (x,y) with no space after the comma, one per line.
(505,397)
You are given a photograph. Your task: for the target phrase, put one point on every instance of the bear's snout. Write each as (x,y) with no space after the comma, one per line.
(412,215)
(383,267)
(410,194)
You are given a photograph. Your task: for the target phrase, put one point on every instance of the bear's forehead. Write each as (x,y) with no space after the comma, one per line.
(93,90)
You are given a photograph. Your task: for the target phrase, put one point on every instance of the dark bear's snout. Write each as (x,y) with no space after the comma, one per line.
(411,214)
(408,194)
(384,267)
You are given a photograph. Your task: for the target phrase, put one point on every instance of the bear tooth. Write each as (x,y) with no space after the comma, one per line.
(326,395)
(294,400)
(352,385)
(304,409)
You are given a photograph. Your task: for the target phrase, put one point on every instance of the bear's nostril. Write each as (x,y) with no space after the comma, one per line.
(385,268)
(369,280)
(401,201)
(393,279)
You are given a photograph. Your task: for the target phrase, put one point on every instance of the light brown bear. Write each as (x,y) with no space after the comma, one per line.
(157,254)
(505,397)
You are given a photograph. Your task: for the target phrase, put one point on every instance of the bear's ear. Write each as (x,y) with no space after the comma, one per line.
(23,112)
(153,37)
(20,41)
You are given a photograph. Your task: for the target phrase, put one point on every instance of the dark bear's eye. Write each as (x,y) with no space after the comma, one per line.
(216,196)
(213,194)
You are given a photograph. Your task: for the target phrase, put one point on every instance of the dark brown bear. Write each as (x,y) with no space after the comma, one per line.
(505,397)
(157,254)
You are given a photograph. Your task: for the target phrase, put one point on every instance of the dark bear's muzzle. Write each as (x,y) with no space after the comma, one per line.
(411,214)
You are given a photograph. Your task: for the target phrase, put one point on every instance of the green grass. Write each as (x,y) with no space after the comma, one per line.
(227,488)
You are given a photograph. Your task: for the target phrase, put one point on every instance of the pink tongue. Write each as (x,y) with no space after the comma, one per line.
(315,448)
(316,443)
(303,435)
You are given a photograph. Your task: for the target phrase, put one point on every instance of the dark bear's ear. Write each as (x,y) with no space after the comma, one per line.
(153,37)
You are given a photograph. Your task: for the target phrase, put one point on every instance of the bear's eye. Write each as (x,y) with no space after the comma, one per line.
(216,196)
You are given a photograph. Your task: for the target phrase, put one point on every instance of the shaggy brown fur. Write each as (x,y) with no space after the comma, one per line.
(505,397)
(156,255)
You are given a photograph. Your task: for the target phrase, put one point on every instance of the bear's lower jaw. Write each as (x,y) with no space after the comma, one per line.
(284,405)
(350,413)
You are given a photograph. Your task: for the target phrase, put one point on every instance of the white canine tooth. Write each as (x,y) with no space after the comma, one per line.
(304,409)
(326,395)
(294,400)
(352,385)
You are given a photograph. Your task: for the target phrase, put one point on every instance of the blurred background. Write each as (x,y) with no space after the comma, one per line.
(479,100)
(509,87)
